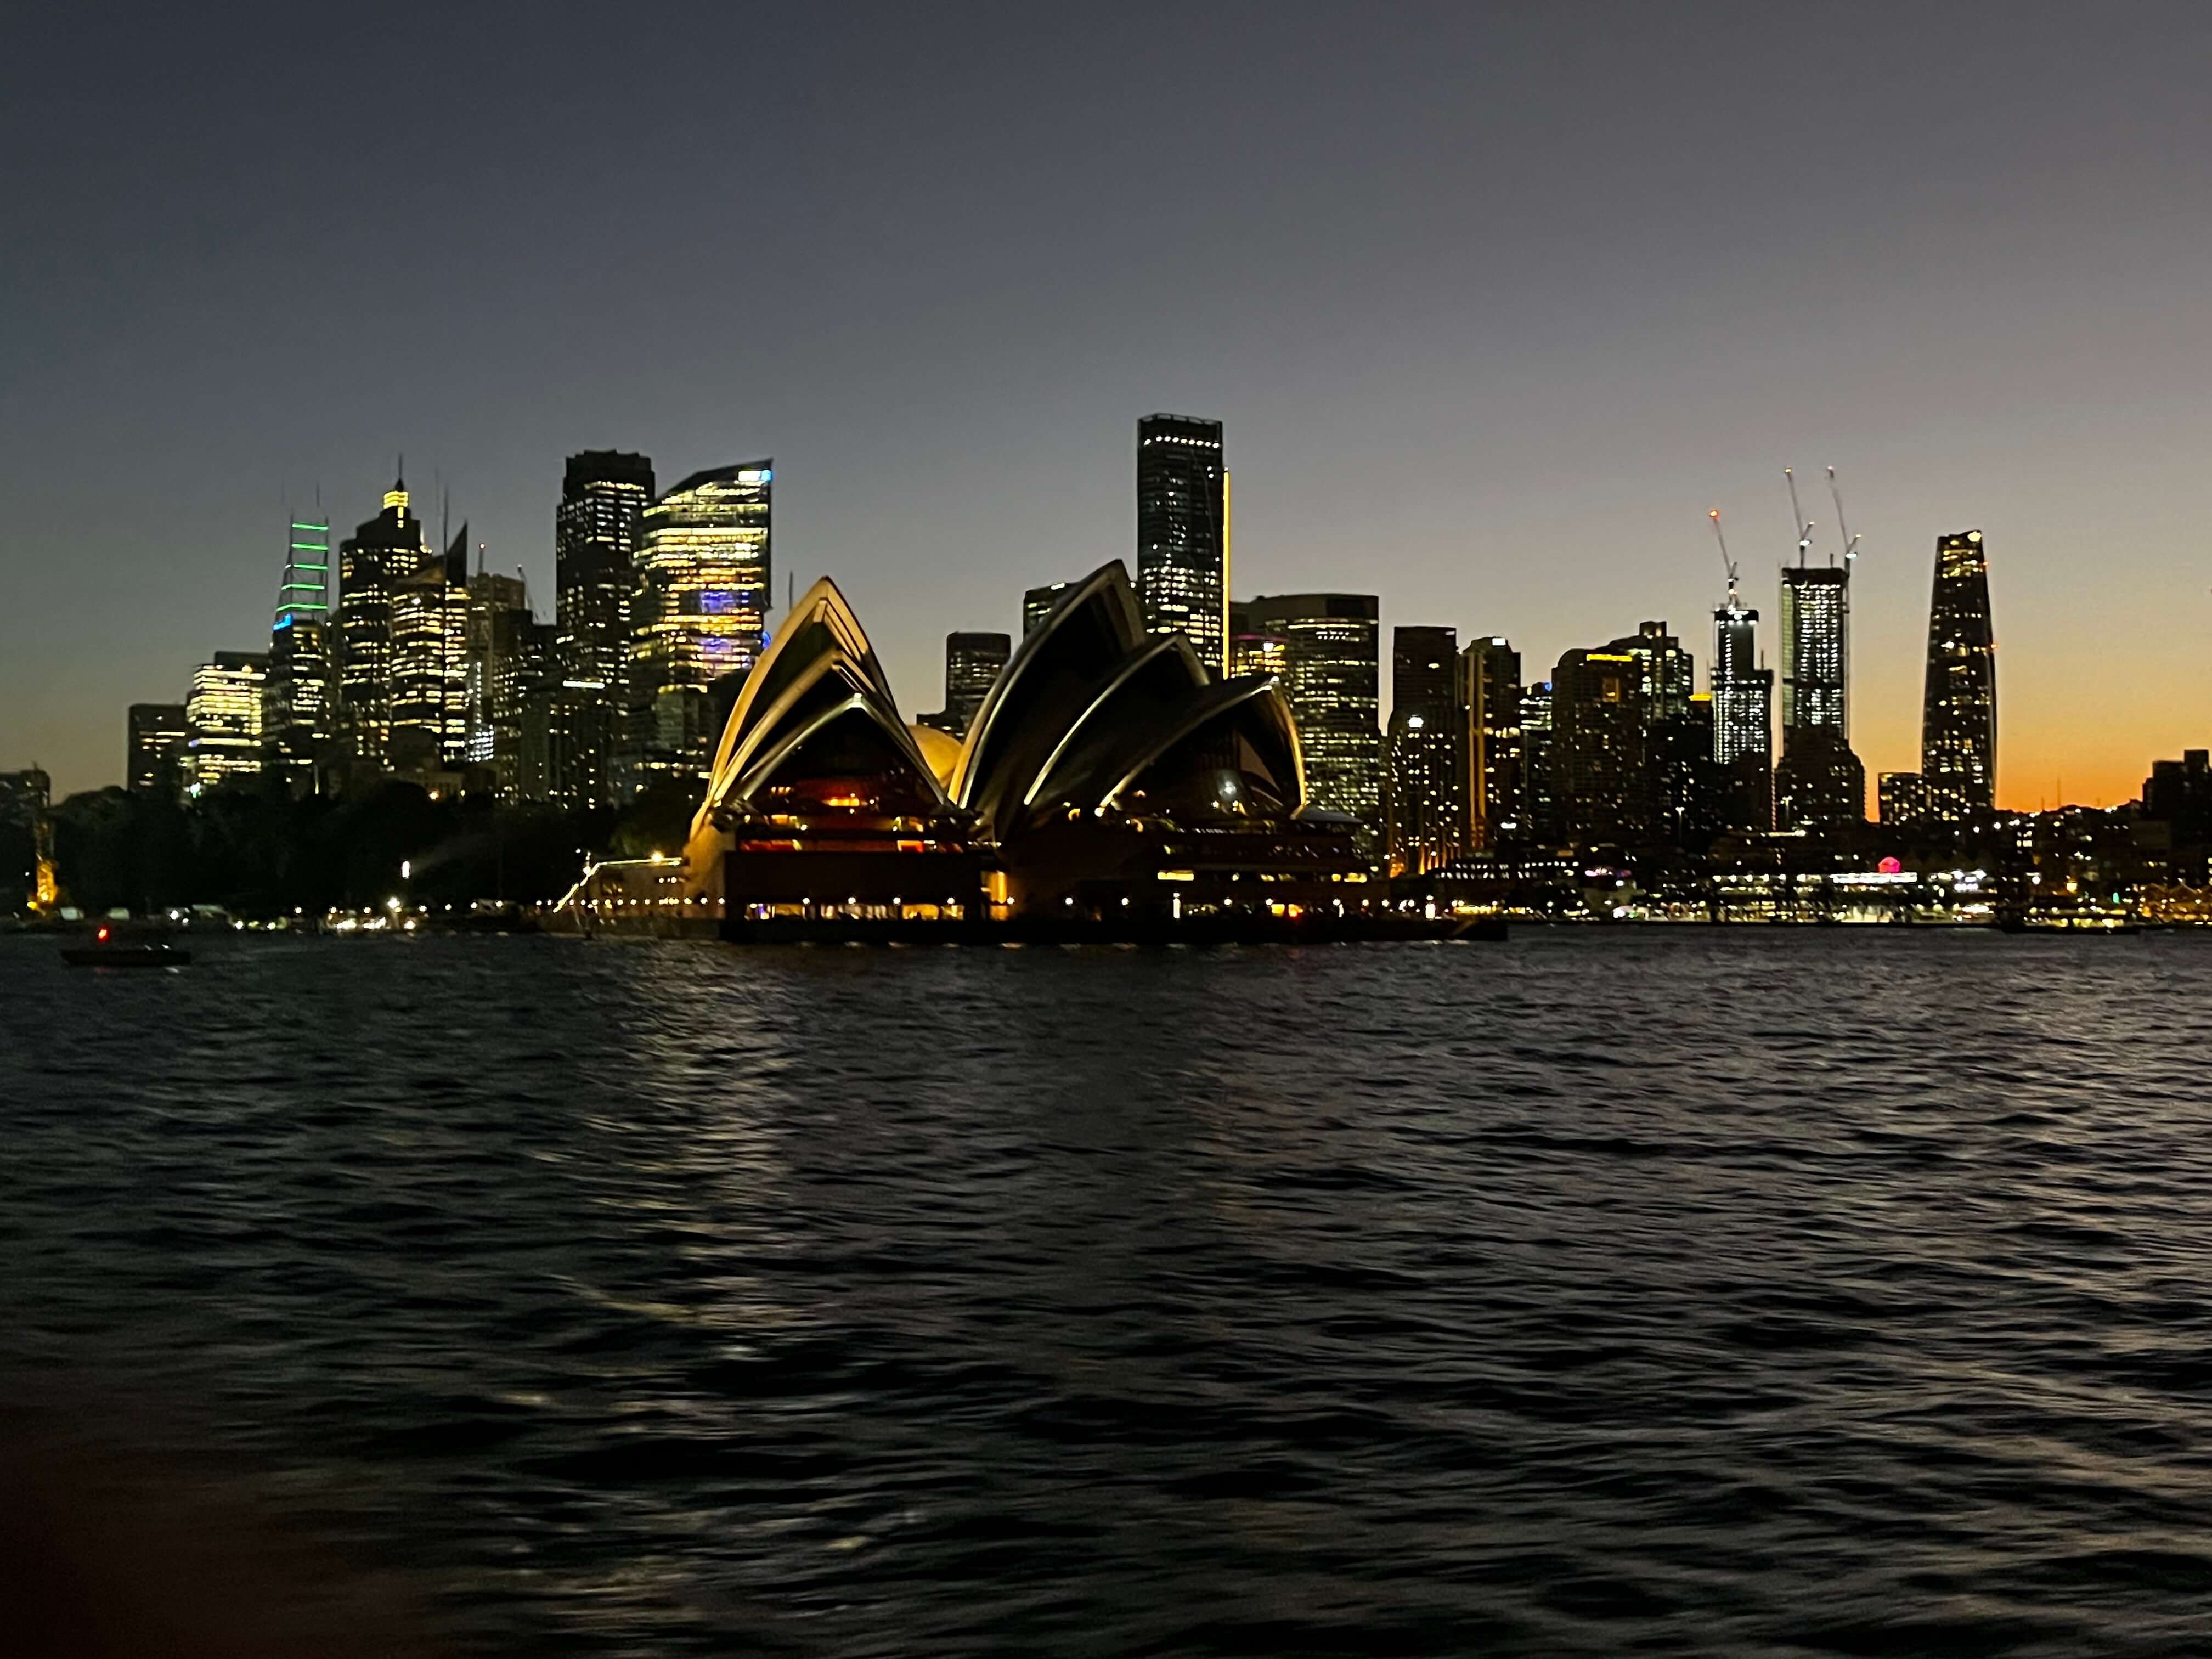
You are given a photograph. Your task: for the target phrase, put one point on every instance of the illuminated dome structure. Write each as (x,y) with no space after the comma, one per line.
(1107,779)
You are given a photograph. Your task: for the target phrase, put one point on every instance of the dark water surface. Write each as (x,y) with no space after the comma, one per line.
(1741,1292)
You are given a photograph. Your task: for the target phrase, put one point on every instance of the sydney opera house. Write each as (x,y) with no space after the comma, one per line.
(1108,787)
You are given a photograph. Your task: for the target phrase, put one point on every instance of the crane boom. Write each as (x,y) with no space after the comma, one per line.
(1851,541)
(1801,525)
(1727,563)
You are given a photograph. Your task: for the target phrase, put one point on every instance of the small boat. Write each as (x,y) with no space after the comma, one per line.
(107,951)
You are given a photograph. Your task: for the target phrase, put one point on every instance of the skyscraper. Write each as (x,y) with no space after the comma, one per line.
(1601,749)
(373,563)
(1183,534)
(1489,698)
(1743,718)
(223,718)
(1816,647)
(154,762)
(1332,648)
(296,698)
(972,662)
(1251,650)
(428,676)
(699,611)
(1540,786)
(1959,713)
(1423,798)
(498,612)
(1819,782)
(597,532)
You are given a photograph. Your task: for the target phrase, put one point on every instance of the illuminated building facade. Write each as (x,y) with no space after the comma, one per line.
(1601,751)
(1819,782)
(374,562)
(1539,789)
(223,718)
(1182,531)
(497,615)
(157,749)
(1488,696)
(1959,713)
(972,663)
(1743,718)
(1902,798)
(699,611)
(1253,650)
(1037,603)
(429,673)
(1667,674)
(597,530)
(1423,803)
(1332,653)
(296,700)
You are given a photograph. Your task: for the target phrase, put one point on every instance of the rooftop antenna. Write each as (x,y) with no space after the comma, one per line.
(1804,526)
(1851,541)
(1728,564)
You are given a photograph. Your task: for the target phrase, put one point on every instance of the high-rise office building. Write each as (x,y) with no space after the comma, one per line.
(1667,674)
(1332,648)
(428,671)
(1540,824)
(296,698)
(374,563)
(1489,699)
(1958,715)
(1422,797)
(1743,718)
(223,718)
(699,612)
(1604,782)
(972,662)
(157,750)
(1182,531)
(1037,603)
(498,610)
(597,532)
(1819,782)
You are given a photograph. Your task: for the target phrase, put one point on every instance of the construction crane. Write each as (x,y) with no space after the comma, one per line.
(1803,526)
(1727,563)
(1851,541)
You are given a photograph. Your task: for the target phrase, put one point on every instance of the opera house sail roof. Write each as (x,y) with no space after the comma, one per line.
(1100,753)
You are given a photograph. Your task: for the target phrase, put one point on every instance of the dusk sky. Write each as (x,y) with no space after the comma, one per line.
(1495,302)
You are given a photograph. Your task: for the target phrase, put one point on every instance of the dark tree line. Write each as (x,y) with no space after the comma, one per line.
(250,847)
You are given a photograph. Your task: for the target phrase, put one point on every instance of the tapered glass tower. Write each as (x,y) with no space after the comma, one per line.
(1182,531)
(1959,713)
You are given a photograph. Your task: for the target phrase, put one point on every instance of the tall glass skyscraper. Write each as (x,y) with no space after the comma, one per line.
(1182,531)
(223,717)
(374,563)
(1423,799)
(597,531)
(1816,647)
(1959,712)
(1489,698)
(1743,718)
(699,611)
(1332,657)
(1820,781)
(296,698)
(972,663)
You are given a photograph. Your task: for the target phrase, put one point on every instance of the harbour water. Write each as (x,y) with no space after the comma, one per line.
(1742,1292)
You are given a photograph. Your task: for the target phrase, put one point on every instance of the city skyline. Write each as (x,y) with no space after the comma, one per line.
(1537,348)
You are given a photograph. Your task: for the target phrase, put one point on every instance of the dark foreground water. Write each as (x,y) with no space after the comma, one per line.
(1749,1292)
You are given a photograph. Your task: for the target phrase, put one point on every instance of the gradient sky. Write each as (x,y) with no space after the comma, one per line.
(1495,301)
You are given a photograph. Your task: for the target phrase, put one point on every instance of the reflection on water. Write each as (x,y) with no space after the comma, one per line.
(1715,1290)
